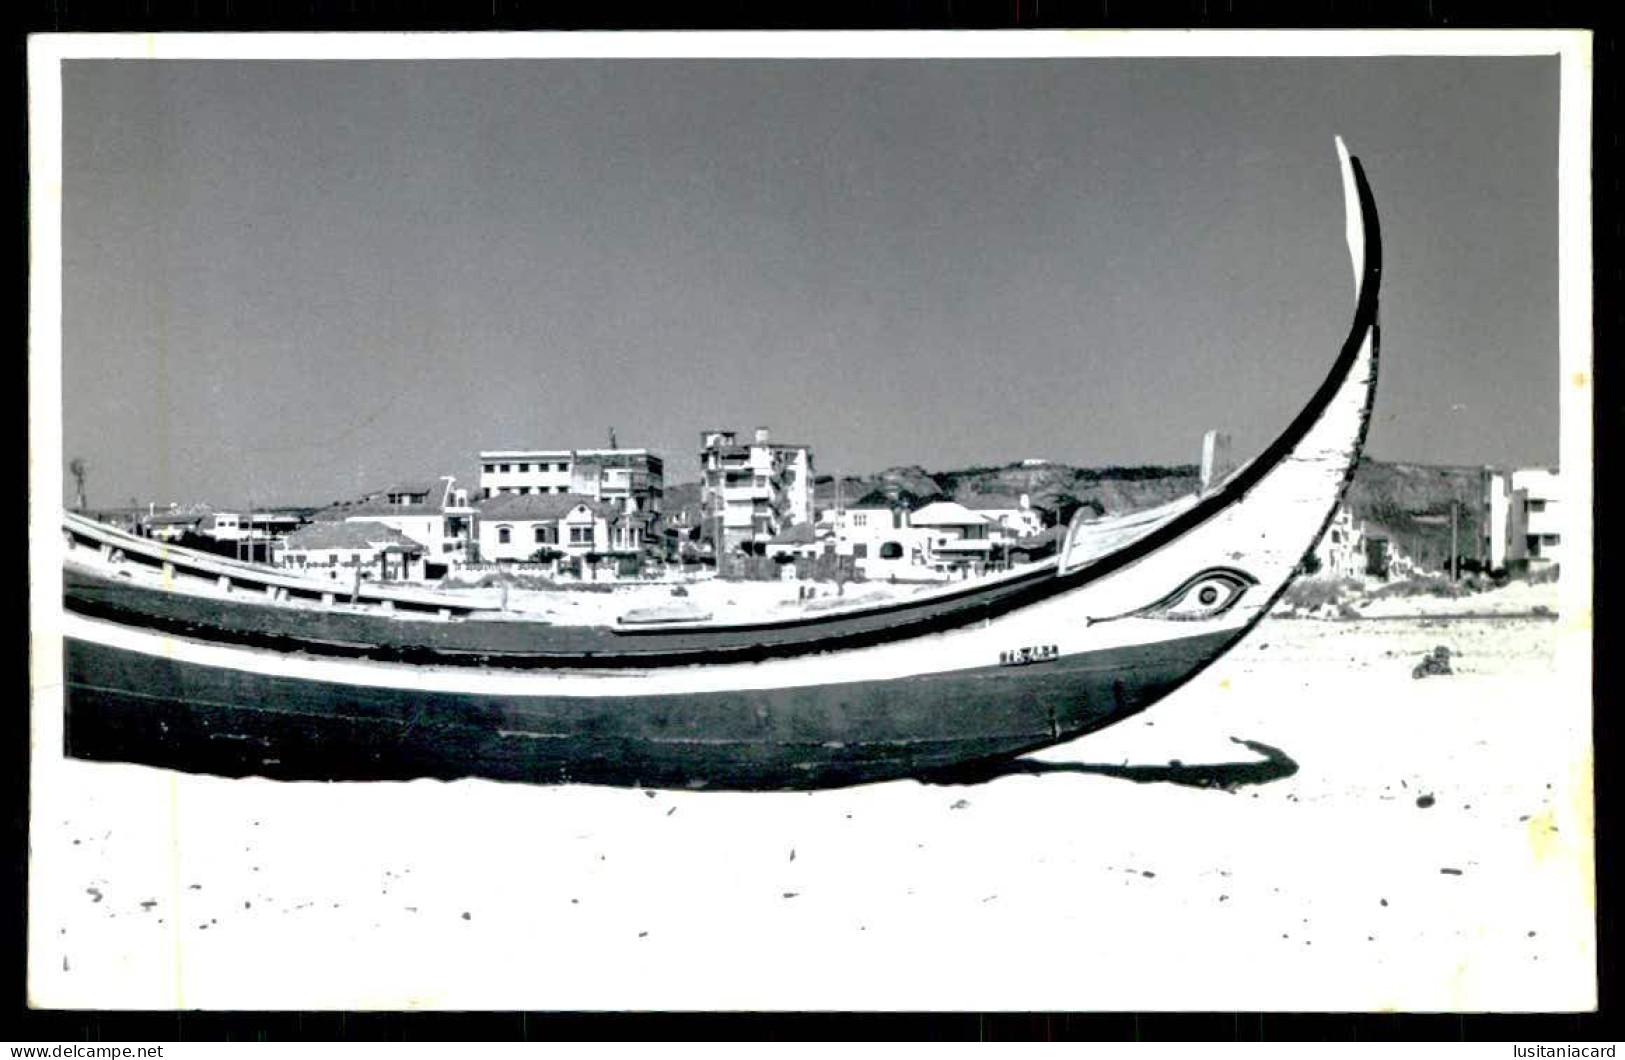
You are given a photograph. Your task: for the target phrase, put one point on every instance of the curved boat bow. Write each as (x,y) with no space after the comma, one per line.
(983,671)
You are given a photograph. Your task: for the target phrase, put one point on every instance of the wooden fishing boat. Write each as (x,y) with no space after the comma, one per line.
(193,662)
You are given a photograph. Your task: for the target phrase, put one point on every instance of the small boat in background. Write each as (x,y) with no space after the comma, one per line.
(191,662)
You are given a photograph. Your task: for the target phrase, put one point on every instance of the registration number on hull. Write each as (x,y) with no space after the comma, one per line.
(1026,656)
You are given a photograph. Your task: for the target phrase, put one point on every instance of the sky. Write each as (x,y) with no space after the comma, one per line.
(293,282)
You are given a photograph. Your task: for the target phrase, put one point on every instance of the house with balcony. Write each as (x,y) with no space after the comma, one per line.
(959,542)
(435,514)
(1016,514)
(751,491)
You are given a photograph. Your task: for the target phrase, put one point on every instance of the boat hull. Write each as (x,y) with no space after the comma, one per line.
(173,713)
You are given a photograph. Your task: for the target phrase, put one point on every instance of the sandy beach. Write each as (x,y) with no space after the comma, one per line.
(1306,826)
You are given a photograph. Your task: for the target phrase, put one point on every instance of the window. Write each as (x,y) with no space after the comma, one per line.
(1537,506)
(524,467)
(504,535)
(486,492)
(541,535)
(860,551)
(891,550)
(580,535)
(489,468)
(860,520)
(505,468)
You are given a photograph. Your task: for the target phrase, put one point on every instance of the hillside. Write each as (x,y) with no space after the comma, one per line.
(1410,501)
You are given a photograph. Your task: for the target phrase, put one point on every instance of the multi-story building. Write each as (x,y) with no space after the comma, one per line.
(1523,517)
(751,491)
(632,479)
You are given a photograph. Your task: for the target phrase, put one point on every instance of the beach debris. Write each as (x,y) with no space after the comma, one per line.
(791,894)
(466,915)
(1435,665)
(95,893)
(1450,872)
(792,853)
(960,805)
(149,904)
(1424,801)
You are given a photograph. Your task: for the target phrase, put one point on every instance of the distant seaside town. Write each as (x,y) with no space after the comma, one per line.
(760,512)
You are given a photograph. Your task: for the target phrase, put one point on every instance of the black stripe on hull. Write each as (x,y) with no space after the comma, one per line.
(130,707)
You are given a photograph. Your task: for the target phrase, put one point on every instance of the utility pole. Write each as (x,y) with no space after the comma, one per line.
(1455,563)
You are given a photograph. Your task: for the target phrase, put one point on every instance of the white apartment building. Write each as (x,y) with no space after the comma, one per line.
(752,491)
(632,479)
(1524,516)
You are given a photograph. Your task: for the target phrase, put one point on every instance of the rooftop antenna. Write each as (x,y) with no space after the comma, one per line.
(612,444)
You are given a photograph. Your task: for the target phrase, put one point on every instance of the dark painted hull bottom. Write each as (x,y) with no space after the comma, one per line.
(129,707)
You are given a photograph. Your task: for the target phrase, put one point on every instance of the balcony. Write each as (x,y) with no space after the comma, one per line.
(962,546)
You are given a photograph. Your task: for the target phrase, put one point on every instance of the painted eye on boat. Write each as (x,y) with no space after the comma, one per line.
(1209,593)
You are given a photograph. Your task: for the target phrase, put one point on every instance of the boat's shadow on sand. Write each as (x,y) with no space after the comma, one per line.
(1273,765)
(243,756)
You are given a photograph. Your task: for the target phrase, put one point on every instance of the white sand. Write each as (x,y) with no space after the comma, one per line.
(1064,890)
(723,600)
